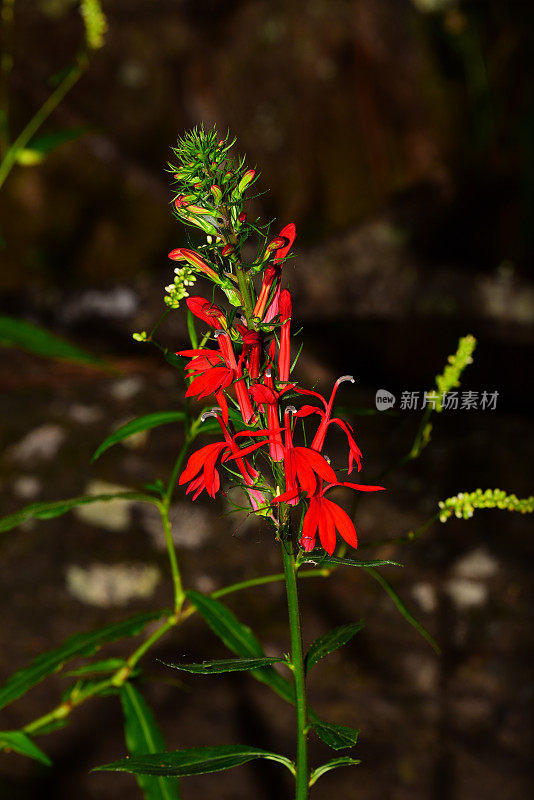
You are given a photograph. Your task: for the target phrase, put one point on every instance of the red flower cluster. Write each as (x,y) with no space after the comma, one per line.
(252,363)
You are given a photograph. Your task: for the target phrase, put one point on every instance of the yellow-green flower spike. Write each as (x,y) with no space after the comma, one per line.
(463,505)
(450,377)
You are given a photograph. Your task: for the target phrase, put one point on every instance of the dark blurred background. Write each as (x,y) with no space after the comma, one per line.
(398,136)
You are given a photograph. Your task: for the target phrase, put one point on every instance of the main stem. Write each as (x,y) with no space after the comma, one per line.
(297,663)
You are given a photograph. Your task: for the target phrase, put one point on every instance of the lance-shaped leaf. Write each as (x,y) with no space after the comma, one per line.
(331,641)
(138,425)
(40,146)
(193,761)
(78,645)
(335,736)
(19,742)
(225,665)
(107,665)
(406,613)
(58,507)
(240,640)
(345,761)
(143,736)
(18,333)
(334,561)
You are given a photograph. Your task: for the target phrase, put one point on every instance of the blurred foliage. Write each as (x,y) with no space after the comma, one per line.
(351,107)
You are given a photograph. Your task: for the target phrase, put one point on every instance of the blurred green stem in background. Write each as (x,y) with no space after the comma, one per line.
(6,64)
(95,24)
(29,131)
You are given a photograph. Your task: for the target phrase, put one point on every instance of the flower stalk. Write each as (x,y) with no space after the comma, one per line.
(297,664)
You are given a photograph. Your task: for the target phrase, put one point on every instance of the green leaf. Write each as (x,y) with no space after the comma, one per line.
(345,761)
(331,641)
(78,645)
(225,665)
(143,736)
(107,665)
(17,333)
(406,613)
(47,142)
(20,743)
(58,507)
(335,736)
(137,425)
(240,640)
(334,561)
(194,761)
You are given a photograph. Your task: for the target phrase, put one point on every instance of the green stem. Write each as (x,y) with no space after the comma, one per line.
(40,117)
(297,665)
(179,594)
(176,468)
(193,338)
(122,674)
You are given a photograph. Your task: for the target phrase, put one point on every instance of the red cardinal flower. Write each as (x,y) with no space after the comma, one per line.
(213,372)
(251,350)
(201,472)
(203,461)
(206,311)
(326,420)
(266,396)
(183,254)
(325,517)
(303,467)
(284,357)
(272,276)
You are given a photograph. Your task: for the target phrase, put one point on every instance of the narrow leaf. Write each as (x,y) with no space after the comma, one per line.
(18,333)
(107,665)
(334,561)
(331,641)
(78,645)
(345,761)
(240,640)
(144,736)
(406,613)
(47,142)
(21,743)
(194,761)
(58,507)
(225,665)
(335,736)
(137,425)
